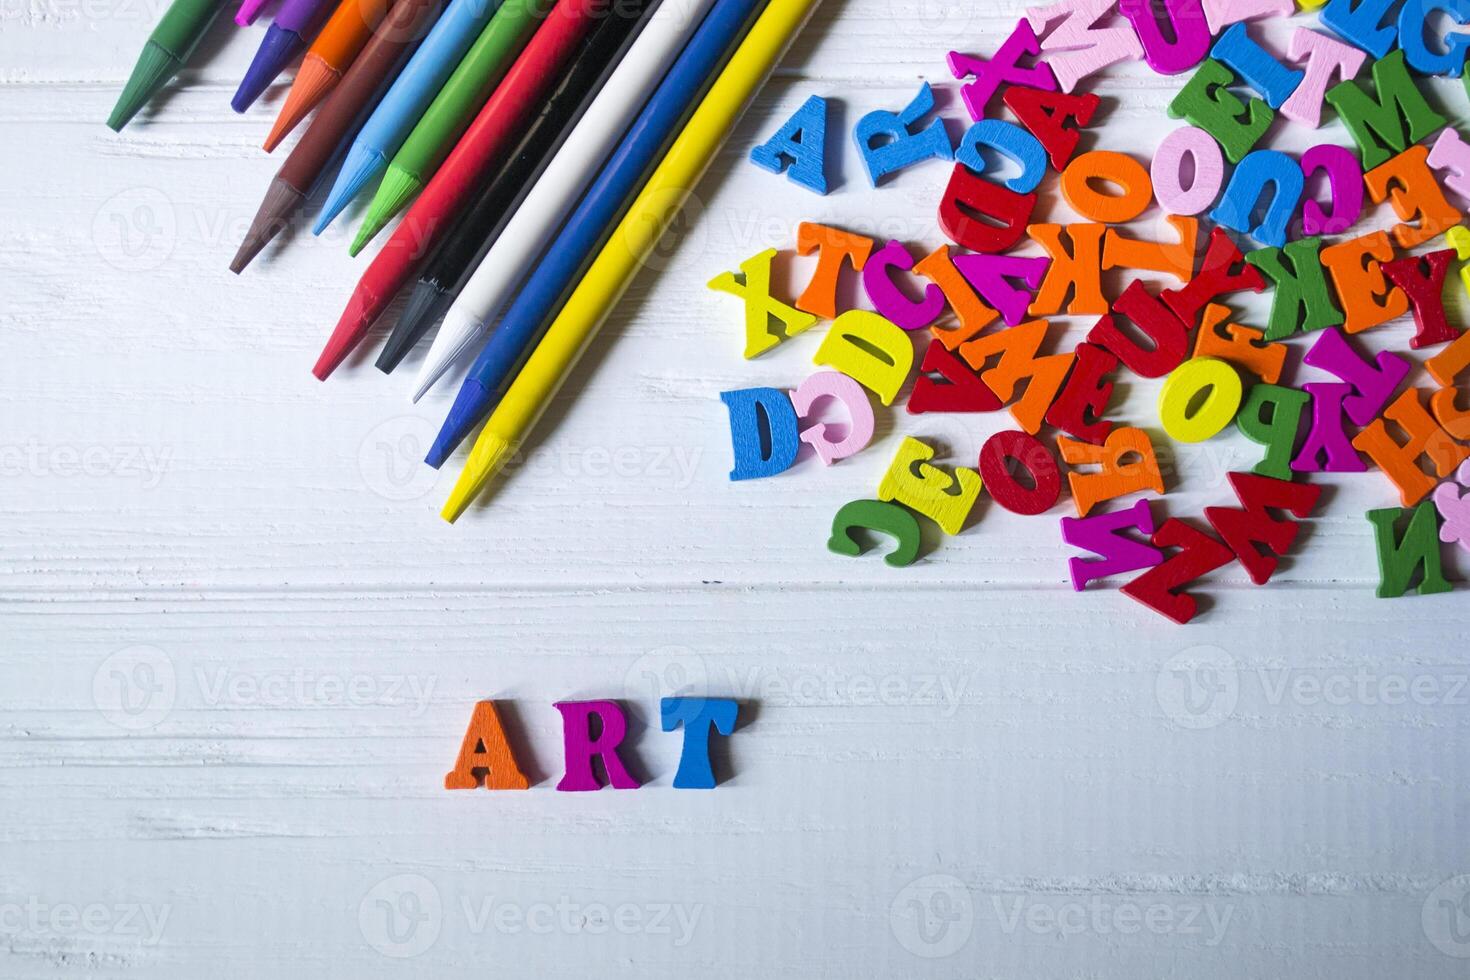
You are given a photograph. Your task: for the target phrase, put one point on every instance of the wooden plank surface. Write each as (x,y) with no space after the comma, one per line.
(238,647)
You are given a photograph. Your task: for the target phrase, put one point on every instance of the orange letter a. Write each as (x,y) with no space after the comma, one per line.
(485,749)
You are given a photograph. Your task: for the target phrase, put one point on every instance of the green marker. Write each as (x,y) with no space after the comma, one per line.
(183,26)
(442,124)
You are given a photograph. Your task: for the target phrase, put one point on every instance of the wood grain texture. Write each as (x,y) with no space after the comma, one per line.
(238,647)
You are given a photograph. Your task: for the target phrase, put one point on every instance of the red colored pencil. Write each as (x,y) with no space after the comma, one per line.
(493,132)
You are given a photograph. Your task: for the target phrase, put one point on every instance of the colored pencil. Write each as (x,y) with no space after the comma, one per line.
(647,219)
(338,119)
(249,10)
(293,29)
(477,228)
(445,120)
(578,241)
(170,45)
(381,136)
(343,37)
(477,300)
(493,131)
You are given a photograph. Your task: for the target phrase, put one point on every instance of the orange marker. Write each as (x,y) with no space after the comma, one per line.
(343,37)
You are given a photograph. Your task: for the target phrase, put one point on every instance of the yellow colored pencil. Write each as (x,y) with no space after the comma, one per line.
(642,226)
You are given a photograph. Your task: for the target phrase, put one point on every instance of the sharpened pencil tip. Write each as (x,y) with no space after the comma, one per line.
(362,309)
(362,165)
(154,68)
(277,49)
(485,461)
(358,242)
(424,305)
(314,79)
(281,200)
(397,188)
(457,334)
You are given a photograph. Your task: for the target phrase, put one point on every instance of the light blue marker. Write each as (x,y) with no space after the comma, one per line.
(401,108)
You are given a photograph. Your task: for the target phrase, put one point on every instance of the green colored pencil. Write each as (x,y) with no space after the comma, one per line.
(170,45)
(445,120)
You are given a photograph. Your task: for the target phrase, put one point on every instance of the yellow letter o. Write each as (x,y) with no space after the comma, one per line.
(1187,418)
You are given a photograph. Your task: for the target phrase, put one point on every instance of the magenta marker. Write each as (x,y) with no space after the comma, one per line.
(294,28)
(249,10)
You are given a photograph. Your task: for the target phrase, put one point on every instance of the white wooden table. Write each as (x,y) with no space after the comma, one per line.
(238,647)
